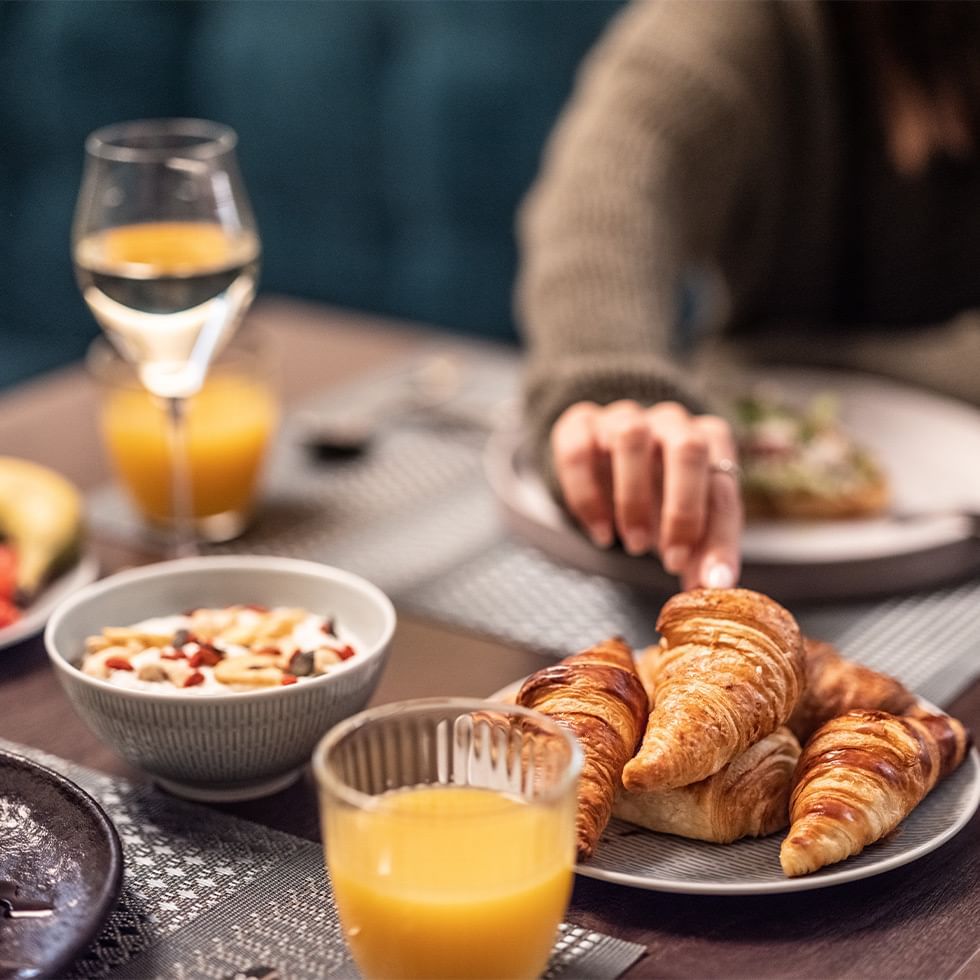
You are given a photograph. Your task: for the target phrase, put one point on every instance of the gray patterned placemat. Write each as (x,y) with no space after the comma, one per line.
(208,895)
(415,515)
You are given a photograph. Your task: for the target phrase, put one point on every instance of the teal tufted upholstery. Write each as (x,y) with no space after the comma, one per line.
(385,143)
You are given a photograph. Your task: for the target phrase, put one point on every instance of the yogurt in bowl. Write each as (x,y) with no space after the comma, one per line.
(211,740)
(218,650)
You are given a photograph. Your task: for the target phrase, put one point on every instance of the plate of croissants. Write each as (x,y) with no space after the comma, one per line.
(740,757)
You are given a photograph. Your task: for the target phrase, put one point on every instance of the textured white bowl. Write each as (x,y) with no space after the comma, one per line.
(228,746)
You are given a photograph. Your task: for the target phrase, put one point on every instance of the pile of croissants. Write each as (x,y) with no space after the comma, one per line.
(701,736)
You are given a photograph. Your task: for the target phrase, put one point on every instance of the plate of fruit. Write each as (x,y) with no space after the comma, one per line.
(41,546)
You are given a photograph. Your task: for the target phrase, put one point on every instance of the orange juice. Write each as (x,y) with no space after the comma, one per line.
(450,882)
(229,425)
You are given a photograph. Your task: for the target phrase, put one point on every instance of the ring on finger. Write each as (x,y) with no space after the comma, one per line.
(727,467)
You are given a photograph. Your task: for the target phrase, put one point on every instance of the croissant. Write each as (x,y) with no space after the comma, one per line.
(747,798)
(835,686)
(598,696)
(730,673)
(647,664)
(859,776)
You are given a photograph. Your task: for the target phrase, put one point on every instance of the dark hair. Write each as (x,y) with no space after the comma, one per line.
(935,44)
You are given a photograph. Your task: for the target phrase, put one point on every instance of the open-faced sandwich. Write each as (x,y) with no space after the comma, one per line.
(803,464)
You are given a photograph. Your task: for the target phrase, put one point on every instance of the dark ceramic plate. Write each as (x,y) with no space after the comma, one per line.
(59,846)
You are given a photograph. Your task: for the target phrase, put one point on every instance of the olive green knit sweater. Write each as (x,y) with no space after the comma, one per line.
(724,143)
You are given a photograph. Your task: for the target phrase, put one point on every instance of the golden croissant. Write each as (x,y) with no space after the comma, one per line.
(859,776)
(835,686)
(730,672)
(598,696)
(747,798)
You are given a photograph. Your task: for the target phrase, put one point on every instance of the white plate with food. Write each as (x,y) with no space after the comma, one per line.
(633,856)
(41,547)
(927,447)
(33,617)
(630,855)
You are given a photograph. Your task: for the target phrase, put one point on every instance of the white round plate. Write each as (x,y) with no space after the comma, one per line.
(929,447)
(83,572)
(640,858)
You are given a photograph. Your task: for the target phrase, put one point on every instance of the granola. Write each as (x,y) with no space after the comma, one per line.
(219,650)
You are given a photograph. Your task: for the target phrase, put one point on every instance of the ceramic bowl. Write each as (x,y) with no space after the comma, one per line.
(232,746)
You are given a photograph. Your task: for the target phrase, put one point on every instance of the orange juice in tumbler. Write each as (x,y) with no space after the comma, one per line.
(450,881)
(229,425)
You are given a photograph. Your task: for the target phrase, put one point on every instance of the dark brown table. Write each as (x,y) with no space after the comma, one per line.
(922,920)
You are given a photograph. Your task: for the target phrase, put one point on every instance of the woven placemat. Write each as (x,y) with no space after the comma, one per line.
(415,515)
(208,895)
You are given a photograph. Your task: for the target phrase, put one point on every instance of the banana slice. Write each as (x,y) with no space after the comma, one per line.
(41,516)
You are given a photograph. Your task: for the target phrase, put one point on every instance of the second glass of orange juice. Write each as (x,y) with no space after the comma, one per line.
(449,833)
(230,425)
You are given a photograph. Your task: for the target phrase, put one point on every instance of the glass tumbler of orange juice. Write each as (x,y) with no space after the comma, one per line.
(230,424)
(449,831)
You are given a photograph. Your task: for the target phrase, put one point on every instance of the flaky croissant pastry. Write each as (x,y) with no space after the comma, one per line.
(859,776)
(730,673)
(647,665)
(747,798)
(835,686)
(598,696)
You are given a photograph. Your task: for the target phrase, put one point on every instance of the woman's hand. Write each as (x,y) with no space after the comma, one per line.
(660,478)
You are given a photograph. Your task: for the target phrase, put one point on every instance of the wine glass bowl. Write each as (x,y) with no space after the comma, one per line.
(165,246)
(166,255)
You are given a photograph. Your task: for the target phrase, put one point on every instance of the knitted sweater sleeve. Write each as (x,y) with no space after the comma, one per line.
(641,175)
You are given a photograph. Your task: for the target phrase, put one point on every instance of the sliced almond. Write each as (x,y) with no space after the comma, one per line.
(324,658)
(177,671)
(152,672)
(250,670)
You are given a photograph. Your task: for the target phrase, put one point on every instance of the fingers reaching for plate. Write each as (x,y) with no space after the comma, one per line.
(660,479)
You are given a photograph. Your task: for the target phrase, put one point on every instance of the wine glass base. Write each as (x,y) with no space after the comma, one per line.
(219,528)
(213,529)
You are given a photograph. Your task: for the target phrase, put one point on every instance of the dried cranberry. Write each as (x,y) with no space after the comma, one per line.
(194,679)
(346,652)
(288,679)
(118,663)
(205,654)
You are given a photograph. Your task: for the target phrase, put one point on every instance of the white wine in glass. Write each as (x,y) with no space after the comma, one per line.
(166,255)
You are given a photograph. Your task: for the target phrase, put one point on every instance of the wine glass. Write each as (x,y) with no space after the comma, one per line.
(166,255)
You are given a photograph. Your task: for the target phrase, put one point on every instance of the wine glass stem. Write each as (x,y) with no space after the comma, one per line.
(182,503)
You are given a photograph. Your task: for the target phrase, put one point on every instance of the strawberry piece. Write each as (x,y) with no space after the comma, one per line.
(346,652)
(8,572)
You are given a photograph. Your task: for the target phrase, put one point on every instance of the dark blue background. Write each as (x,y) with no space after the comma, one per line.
(385,144)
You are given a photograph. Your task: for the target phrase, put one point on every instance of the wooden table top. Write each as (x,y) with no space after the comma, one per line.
(922,920)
